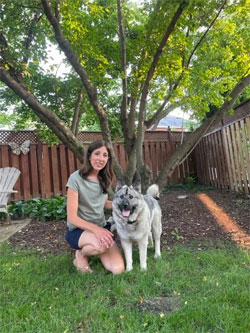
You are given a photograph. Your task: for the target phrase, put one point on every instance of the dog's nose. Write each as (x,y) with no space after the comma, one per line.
(125,203)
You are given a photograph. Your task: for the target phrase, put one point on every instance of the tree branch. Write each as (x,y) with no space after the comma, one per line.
(77,114)
(204,35)
(141,126)
(159,50)
(123,115)
(46,115)
(30,33)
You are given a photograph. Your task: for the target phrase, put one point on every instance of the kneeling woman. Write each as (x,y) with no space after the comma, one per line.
(87,197)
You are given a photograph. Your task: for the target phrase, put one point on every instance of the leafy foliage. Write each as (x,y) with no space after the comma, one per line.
(92,30)
(134,66)
(52,209)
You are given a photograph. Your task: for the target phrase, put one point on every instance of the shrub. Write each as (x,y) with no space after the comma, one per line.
(51,209)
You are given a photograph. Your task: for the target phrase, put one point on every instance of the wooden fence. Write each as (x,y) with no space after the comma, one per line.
(223,157)
(45,169)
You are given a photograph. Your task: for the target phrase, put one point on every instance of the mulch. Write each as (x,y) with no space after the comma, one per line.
(185,218)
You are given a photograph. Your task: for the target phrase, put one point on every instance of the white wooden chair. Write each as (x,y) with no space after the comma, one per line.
(8,178)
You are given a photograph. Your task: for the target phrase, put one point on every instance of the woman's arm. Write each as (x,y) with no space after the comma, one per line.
(72,208)
(108,204)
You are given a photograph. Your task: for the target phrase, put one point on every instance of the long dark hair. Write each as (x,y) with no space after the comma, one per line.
(105,175)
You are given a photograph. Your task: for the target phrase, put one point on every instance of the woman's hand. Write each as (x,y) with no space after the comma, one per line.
(104,236)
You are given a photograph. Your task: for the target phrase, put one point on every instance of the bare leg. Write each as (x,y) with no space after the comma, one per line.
(110,257)
(112,260)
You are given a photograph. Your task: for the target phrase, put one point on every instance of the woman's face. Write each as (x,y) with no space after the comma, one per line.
(99,158)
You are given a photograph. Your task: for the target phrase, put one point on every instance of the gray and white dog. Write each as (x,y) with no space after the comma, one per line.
(136,218)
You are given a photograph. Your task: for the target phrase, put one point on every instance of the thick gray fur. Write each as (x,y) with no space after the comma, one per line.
(137,217)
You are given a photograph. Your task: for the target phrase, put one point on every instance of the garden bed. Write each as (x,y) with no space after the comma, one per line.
(185,218)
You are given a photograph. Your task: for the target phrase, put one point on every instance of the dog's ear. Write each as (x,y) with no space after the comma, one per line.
(137,186)
(120,183)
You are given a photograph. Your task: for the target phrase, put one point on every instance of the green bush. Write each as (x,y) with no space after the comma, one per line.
(51,209)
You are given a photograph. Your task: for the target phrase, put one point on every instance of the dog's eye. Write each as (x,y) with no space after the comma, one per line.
(130,196)
(122,196)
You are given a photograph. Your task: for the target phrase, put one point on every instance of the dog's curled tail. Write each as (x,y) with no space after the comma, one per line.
(153,190)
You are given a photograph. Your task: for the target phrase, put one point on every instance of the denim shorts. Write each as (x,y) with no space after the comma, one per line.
(72,237)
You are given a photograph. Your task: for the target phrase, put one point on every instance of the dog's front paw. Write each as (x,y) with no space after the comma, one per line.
(143,268)
(128,269)
(157,255)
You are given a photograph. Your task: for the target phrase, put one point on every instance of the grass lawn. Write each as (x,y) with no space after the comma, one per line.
(185,291)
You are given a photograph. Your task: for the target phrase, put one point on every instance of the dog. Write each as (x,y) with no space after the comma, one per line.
(136,218)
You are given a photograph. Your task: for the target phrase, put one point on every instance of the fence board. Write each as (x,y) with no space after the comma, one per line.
(227,155)
(25,170)
(198,153)
(206,164)
(158,156)
(242,174)
(4,156)
(228,159)
(201,158)
(246,144)
(210,161)
(55,170)
(71,161)
(63,168)
(232,160)
(40,167)
(220,160)
(34,171)
(236,158)
(47,177)
(216,160)
(154,159)
(223,169)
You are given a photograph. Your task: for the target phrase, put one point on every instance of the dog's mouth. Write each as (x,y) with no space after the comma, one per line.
(127,212)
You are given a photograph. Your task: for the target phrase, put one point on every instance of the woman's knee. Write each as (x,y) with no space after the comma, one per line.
(113,263)
(92,250)
(117,268)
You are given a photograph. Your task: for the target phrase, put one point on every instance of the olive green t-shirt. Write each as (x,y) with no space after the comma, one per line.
(91,200)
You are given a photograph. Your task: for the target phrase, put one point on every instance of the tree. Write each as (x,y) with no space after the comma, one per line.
(149,59)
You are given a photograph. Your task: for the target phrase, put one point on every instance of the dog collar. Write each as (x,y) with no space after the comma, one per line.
(131,222)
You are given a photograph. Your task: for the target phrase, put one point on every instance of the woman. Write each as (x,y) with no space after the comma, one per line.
(87,197)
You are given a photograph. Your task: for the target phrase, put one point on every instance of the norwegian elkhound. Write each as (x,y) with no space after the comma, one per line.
(136,217)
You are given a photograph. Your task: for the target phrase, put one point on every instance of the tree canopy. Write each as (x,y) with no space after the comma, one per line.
(131,64)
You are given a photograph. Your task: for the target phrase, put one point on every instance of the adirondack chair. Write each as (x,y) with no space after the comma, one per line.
(8,178)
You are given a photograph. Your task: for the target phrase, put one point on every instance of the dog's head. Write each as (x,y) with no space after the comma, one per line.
(127,198)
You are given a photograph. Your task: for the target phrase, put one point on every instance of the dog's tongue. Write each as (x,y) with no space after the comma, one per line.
(125,213)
